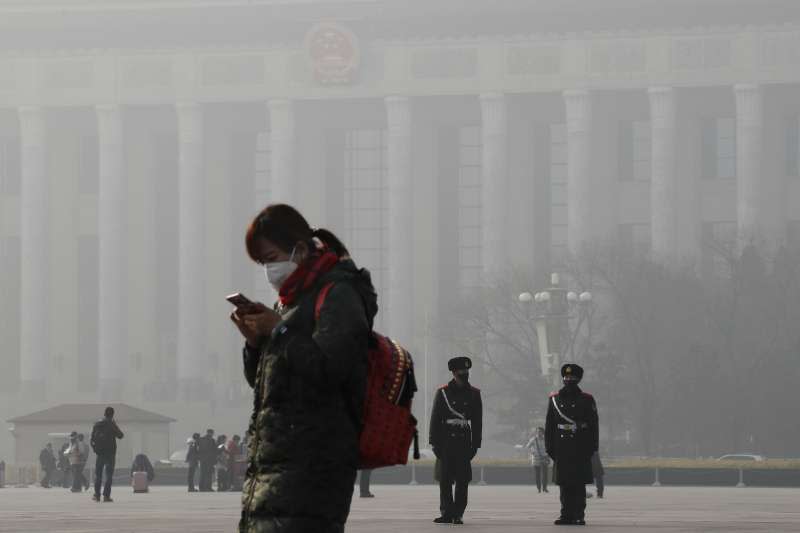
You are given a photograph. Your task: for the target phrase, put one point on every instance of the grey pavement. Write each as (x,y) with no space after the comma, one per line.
(396,509)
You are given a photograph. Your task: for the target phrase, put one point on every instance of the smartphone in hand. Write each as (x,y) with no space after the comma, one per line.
(239,300)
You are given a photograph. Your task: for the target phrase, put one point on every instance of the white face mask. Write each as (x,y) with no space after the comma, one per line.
(277,272)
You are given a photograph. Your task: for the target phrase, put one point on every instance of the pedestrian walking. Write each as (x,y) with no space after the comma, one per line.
(47,462)
(571,437)
(539,459)
(192,459)
(104,443)
(456,427)
(64,466)
(308,370)
(73,454)
(84,458)
(223,477)
(208,459)
(233,451)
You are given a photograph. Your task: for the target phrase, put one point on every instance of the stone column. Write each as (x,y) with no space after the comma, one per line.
(663,187)
(749,185)
(192,356)
(579,186)
(112,348)
(282,144)
(34,259)
(494,185)
(401,220)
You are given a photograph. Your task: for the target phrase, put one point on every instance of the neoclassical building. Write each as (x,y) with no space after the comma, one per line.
(443,141)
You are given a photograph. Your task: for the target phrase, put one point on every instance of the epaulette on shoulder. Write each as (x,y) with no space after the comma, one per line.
(476,389)
(553,394)
(440,387)
(587,394)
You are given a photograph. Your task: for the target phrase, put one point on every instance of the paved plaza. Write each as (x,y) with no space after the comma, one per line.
(507,509)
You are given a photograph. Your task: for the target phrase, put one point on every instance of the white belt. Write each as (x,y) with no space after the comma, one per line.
(572,427)
(457,422)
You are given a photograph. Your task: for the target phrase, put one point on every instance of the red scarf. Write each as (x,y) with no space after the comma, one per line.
(305,275)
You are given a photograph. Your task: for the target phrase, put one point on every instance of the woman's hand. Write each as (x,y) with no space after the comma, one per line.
(262,321)
(254,321)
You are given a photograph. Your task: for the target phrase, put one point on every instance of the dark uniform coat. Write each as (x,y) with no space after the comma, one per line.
(572,450)
(455,444)
(309,381)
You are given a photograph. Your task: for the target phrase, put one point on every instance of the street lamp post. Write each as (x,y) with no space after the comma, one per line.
(552,323)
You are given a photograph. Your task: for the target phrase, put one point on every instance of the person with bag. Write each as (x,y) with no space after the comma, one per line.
(223,475)
(84,458)
(539,459)
(192,459)
(456,428)
(308,374)
(64,466)
(104,443)
(73,455)
(142,473)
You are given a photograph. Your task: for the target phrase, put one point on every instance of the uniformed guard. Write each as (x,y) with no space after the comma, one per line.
(571,437)
(455,435)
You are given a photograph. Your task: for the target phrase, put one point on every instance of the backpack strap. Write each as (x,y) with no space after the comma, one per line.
(323,293)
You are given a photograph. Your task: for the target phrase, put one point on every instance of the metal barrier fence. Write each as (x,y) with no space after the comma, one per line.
(422,474)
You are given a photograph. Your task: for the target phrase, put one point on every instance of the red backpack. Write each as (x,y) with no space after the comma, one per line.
(389,427)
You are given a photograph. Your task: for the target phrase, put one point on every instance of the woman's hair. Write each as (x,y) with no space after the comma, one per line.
(284,226)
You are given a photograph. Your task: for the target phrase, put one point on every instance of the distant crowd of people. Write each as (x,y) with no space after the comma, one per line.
(67,468)
(221,455)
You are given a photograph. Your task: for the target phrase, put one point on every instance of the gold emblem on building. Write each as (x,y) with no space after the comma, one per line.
(333,52)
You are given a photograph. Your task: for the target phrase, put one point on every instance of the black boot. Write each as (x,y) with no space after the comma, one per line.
(458,520)
(443,520)
(563,522)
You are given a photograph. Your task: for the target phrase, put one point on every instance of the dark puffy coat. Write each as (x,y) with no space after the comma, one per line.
(141,463)
(309,381)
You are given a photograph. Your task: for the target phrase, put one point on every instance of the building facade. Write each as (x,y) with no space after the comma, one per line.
(443,143)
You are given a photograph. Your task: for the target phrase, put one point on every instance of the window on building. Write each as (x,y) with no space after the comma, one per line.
(719,148)
(634,239)
(366,201)
(634,151)
(558,193)
(793,146)
(470,238)
(10,170)
(88,165)
(719,247)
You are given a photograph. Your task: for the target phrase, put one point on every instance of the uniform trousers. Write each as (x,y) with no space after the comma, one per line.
(452,503)
(573,501)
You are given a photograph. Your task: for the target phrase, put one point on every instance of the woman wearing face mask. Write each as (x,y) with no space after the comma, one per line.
(308,376)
